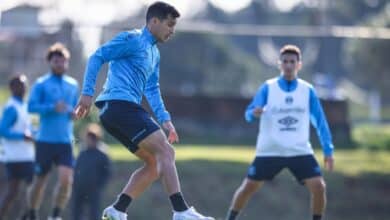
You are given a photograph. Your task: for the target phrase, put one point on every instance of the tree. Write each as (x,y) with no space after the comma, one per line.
(367,59)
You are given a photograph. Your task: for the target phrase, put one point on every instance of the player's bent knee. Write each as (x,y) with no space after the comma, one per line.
(150,160)
(167,154)
(66,181)
(318,186)
(321,187)
(171,152)
(153,172)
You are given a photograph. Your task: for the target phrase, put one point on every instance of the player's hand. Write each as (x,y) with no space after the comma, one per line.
(83,107)
(73,115)
(61,107)
(257,112)
(173,137)
(329,163)
(28,137)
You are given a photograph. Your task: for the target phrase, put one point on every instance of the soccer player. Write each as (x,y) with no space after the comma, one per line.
(53,98)
(285,106)
(134,64)
(17,141)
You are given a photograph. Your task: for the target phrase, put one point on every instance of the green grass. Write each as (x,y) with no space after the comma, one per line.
(211,174)
(3,94)
(358,189)
(348,162)
(372,136)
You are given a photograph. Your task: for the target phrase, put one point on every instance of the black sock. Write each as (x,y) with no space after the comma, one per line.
(31,214)
(232,215)
(56,212)
(317,217)
(178,203)
(123,202)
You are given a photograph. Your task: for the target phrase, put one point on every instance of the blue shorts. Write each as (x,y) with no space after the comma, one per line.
(47,154)
(20,171)
(126,121)
(266,168)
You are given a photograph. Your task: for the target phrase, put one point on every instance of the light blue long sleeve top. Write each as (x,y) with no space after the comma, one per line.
(47,91)
(134,65)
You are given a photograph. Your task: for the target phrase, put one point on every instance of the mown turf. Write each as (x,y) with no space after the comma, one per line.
(358,189)
(348,162)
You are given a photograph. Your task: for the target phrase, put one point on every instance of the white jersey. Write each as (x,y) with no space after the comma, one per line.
(18,150)
(285,123)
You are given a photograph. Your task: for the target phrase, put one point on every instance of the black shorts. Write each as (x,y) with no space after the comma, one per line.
(20,171)
(266,168)
(48,154)
(126,121)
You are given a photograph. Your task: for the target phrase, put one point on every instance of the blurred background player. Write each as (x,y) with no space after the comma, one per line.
(17,142)
(134,71)
(285,106)
(53,98)
(92,172)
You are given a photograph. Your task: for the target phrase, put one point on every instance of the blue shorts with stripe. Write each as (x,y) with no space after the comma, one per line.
(49,154)
(126,121)
(266,168)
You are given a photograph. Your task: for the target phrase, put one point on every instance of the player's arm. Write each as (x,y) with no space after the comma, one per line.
(35,103)
(9,118)
(255,108)
(318,120)
(153,95)
(123,45)
(74,101)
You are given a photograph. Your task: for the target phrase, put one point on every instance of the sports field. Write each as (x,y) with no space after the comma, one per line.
(348,162)
(358,189)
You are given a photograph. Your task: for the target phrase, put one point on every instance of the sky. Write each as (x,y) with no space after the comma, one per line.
(90,14)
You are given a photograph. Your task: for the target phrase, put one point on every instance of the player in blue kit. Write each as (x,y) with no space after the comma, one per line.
(53,98)
(134,71)
(285,106)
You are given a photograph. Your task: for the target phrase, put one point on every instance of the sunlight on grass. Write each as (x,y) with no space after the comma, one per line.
(3,94)
(349,162)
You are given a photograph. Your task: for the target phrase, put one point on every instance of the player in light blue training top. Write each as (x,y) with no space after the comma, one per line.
(53,98)
(134,71)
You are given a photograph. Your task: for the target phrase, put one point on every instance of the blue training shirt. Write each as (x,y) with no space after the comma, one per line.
(317,116)
(10,115)
(45,93)
(134,65)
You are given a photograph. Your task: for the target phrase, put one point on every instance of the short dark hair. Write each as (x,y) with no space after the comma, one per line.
(57,49)
(291,49)
(16,79)
(161,10)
